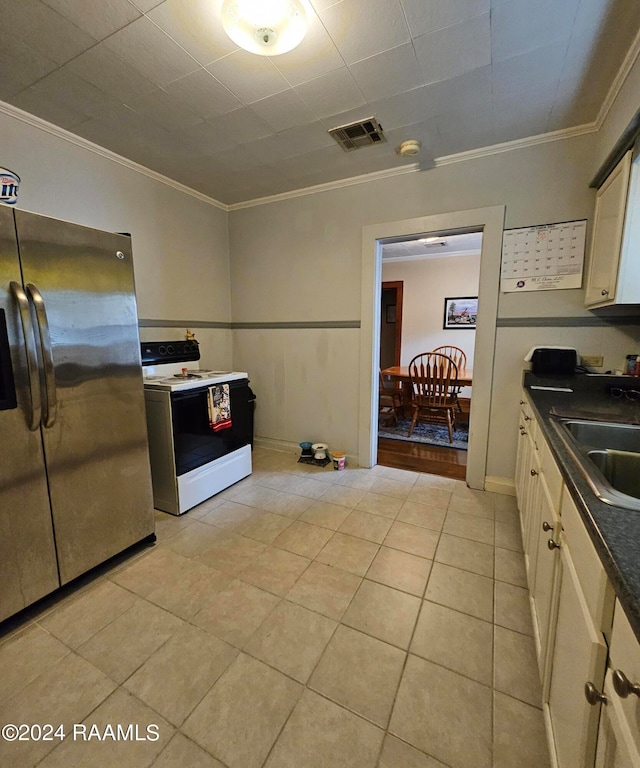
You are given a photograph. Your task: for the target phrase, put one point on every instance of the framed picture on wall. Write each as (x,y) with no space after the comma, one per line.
(460,312)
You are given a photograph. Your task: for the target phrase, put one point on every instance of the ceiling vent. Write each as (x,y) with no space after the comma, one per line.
(358,135)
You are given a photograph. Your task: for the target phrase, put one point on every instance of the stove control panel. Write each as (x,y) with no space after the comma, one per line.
(156,352)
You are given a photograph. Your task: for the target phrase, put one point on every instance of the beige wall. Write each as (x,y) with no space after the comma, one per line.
(180,243)
(426,285)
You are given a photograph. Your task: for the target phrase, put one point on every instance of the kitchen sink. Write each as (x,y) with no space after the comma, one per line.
(608,457)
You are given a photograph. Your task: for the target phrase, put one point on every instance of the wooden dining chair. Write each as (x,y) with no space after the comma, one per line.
(433,377)
(459,357)
(389,401)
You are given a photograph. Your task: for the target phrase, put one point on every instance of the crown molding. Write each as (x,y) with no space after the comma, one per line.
(330,185)
(96,149)
(510,146)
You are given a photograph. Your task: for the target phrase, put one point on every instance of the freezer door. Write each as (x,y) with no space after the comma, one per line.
(80,282)
(28,568)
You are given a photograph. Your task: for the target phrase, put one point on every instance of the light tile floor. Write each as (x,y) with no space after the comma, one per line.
(304,618)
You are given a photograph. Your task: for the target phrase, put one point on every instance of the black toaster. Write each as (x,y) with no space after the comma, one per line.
(556,361)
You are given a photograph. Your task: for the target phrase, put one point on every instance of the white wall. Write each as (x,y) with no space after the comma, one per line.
(180,243)
(426,285)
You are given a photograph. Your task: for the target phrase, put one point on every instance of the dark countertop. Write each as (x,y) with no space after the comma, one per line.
(615,531)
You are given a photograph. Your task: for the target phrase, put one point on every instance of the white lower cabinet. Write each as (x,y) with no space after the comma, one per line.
(619,731)
(579,658)
(572,605)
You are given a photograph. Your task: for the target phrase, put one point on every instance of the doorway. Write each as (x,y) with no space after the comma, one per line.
(440,277)
(490,222)
(391,322)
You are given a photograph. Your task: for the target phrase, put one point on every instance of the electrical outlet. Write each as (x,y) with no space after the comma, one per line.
(592,361)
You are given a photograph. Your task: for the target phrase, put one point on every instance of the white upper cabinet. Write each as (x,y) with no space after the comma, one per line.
(614,265)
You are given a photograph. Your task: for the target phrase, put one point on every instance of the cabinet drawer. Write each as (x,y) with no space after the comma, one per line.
(598,592)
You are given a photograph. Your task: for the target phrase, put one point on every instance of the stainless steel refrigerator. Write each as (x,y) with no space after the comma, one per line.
(75,485)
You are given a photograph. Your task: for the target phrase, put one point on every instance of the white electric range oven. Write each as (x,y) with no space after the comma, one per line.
(190,461)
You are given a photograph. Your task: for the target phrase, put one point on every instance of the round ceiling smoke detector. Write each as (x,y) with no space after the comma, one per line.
(410,148)
(265,27)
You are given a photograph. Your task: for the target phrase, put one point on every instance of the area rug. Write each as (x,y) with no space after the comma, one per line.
(432,434)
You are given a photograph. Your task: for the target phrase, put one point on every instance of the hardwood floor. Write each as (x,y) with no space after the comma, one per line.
(418,457)
(448,462)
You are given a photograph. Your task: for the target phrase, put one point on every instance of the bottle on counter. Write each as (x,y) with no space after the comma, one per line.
(632,365)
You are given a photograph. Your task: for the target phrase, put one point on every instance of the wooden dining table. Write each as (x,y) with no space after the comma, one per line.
(401,373)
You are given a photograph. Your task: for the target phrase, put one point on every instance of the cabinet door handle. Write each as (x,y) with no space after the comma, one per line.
(523,431)
(605,292)
(551,544)
(623,686)
(527,418)
(593,695)
(522,402)
(533,473)
(546,526)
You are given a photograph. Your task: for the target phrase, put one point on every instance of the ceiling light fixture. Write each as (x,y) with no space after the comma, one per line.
(265,27)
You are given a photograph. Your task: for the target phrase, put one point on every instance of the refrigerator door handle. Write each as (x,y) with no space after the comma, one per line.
(31,353)
(51,401)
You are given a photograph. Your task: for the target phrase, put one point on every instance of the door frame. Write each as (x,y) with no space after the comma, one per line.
(399,288)
(490,221)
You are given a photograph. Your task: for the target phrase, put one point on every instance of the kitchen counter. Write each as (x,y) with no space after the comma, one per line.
(615,531)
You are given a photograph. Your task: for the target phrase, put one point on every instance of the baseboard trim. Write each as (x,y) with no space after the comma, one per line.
(503,485)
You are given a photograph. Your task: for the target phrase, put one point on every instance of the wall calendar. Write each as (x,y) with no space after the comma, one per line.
(543,258)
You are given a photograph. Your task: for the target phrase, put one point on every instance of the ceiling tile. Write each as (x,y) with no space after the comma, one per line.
(271,149)
(164,109)
(109,73)
(388,73)
(315,56)
(248,76)
(332,93)
(430,16)
(305,138)
(20,65)
(237,159)
(244,125)
(202,93)
(62,91)
(97,19)
(207,137)
(363,28)
(284,110)
(121,131)
(33,101)
(466,124)
(196,26)
(403,109)
(520,25)
(541,66)
(472,90)
(455,50)
(43,30)
(146,48)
